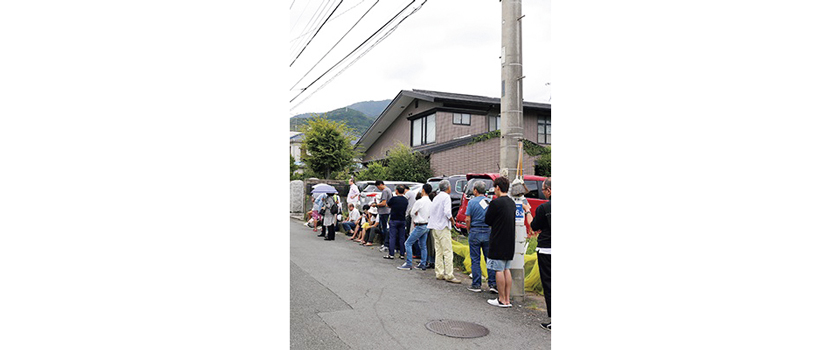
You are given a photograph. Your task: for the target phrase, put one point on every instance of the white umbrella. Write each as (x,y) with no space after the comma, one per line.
(323,188)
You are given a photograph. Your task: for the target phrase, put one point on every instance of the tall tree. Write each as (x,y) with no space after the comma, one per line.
(326,148)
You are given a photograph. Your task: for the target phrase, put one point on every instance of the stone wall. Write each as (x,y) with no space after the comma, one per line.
(297,197)
(340,185)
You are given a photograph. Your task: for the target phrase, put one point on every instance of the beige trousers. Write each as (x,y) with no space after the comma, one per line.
(443,254)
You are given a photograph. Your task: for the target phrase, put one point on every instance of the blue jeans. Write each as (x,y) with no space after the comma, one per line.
(383,228)
(420,234)
(396,233)
(480,241)
(409,226)
(348,226)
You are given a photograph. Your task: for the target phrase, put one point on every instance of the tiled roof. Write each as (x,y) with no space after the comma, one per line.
(437,96)
(440,147)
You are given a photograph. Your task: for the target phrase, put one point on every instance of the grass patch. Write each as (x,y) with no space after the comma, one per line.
(458,262)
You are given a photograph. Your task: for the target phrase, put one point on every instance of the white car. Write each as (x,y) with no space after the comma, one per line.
(372,194)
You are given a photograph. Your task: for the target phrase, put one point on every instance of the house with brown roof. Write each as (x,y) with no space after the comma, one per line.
(453,130)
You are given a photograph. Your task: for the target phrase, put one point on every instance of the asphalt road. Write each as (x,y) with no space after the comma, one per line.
(345,296)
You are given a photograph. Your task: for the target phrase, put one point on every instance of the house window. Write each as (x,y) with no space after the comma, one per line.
(460,119)
(494,122)
(423,130)
(544,130)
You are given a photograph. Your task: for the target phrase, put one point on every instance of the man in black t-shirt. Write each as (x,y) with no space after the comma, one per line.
(501,216)
(540,223)
(396,225)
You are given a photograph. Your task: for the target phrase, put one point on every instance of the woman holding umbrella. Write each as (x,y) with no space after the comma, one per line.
(329,217)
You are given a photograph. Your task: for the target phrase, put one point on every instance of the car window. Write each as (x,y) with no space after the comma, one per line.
(533,189)
(459,186)
(488,184)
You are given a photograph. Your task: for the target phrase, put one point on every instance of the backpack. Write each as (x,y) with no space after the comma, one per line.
(323,209)
(334,207)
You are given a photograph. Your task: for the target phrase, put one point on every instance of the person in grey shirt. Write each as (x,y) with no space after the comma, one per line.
(382,208)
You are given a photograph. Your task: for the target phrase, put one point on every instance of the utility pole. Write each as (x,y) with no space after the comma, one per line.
(512,129)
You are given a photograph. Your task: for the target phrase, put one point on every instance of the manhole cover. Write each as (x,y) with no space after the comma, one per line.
(457,329)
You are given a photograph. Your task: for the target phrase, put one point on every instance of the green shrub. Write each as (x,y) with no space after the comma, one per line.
(407,165)
(374,171)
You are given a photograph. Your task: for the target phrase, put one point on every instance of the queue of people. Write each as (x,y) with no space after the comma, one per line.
(405,225)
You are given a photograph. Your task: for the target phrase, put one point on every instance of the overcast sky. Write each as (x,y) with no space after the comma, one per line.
(450,46)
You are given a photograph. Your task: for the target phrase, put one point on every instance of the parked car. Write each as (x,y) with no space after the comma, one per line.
(458,183)
(372,194)
(363,184)
(434,181)
(413,190)
(534,196)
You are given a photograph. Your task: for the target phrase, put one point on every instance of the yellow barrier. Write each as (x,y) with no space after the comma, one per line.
(532,272)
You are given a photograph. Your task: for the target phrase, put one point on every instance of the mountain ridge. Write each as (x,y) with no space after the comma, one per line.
(358,116)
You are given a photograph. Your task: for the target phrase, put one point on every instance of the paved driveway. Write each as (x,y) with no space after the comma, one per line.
(345,296)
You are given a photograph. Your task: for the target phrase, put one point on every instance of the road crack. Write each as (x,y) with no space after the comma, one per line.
(382,323)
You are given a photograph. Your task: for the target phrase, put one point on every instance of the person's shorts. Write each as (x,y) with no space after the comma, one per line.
(498,265)
(365,226)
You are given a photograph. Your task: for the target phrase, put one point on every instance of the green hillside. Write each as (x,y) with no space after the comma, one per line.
(370,108)
(358,116)
(355,120)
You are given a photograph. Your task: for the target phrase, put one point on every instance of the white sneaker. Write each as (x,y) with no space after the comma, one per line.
(495,302)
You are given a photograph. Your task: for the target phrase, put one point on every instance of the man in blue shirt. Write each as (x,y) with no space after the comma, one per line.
(479,239)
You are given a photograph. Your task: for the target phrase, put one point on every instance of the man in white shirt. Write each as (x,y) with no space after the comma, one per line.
(440,220)
(354,195)
(352,219)
(419,213)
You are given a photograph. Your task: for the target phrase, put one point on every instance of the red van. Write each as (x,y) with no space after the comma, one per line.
(534,196)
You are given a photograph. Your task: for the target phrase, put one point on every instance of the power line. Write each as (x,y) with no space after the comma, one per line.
(331,19)
(312,24)
(316,32)
(293,4)
(300,16)
(360,55)
(356,49)
(336,44)
(316,17)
